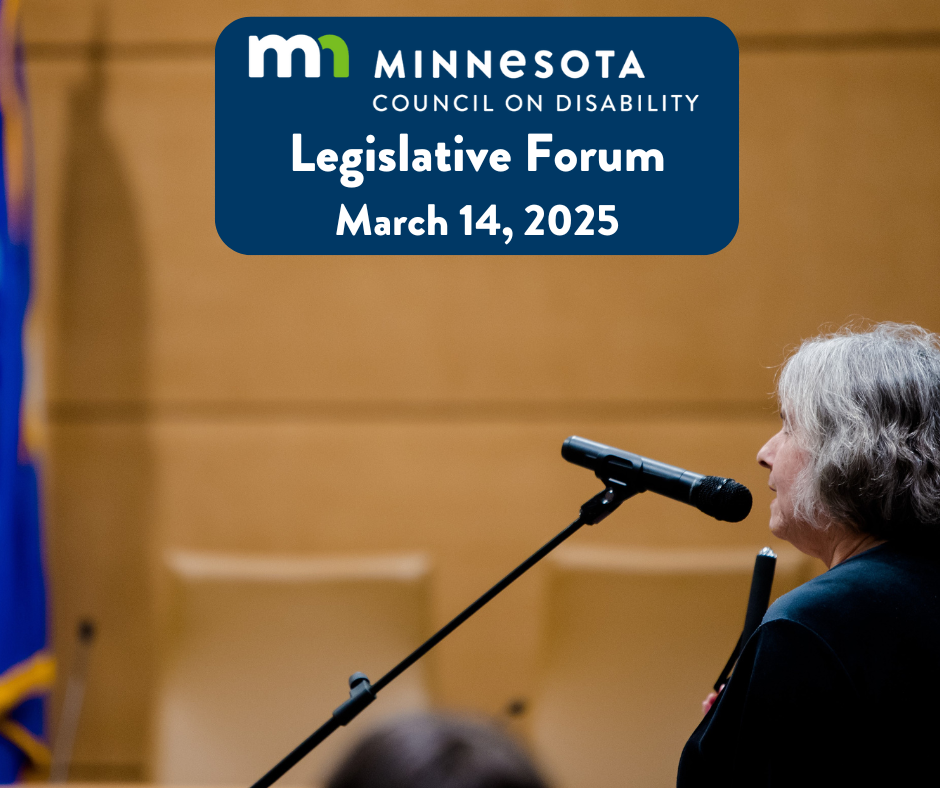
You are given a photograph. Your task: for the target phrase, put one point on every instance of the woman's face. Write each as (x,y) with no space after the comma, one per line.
(784,459)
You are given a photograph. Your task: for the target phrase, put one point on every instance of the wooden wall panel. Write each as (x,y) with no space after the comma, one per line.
(286,484)
(832,227)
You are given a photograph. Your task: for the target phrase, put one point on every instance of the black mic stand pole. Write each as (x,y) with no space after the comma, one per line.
(362,693)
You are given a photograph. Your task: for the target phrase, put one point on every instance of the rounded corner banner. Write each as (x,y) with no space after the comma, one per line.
(476,136)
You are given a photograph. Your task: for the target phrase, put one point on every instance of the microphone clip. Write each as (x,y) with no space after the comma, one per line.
(606,501)
(623,472)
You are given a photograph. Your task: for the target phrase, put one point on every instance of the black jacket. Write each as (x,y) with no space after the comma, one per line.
(838,686)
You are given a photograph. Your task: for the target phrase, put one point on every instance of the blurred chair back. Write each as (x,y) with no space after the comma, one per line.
(634,640)
(257,653)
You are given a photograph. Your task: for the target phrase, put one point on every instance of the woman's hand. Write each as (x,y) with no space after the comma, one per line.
(710,700)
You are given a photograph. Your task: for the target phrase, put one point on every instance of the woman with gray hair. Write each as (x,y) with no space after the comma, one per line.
(838,684)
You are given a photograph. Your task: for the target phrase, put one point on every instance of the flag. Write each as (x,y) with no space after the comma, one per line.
(26,666)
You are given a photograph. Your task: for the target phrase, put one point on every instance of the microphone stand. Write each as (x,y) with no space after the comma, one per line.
(362,692)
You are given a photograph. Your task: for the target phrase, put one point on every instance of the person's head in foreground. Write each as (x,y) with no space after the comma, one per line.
(857,460)
(436,751)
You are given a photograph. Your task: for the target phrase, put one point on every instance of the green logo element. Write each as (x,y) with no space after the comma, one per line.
(285,49)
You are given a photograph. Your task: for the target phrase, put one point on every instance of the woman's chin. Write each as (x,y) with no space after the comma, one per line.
(778,528)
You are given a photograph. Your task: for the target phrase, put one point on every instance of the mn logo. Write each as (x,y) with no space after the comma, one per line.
(285,50)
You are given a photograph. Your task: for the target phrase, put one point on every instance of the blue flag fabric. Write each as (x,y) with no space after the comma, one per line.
(26,667)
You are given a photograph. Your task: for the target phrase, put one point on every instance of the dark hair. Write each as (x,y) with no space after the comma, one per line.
(436,751)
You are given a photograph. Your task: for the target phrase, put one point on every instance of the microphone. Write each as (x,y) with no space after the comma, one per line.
(723,499)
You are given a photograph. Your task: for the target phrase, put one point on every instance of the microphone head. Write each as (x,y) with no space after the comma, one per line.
(723,499)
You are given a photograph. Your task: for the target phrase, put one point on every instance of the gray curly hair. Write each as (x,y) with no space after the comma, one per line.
(865,407)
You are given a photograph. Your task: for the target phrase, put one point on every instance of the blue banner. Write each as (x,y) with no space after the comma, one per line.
(477,136)
(26,668)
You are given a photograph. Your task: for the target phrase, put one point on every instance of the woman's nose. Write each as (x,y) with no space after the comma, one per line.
(765,457)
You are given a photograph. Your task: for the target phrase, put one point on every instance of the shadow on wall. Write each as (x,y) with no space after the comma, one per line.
(103,309)
(102,468)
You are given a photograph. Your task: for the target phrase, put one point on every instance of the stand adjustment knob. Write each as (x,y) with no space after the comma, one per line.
(360,696)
